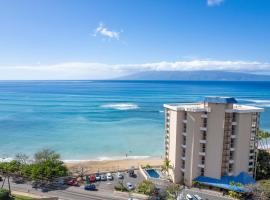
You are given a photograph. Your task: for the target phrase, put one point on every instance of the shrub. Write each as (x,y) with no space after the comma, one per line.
(146,187)
(4,194)
(235,195)
(120,187)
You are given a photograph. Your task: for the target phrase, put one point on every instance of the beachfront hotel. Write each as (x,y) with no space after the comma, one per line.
(214,138)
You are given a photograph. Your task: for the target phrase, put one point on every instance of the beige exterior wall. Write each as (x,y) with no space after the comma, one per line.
(242,146)
(214,161)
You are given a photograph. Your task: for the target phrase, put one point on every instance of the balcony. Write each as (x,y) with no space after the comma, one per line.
(231,161)
(182,169)
(234,123)
(183,158)
(184,133)
(201,165)
(183,145)
(204,116)
(232,149)
(185,121)
(233,136)
(203,128)
(203,141)
(230,173)
(202,153)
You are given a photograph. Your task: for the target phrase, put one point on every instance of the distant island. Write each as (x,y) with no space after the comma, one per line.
(196,76)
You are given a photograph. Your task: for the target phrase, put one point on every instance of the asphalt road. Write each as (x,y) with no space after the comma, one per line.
(204,194)
(105,190)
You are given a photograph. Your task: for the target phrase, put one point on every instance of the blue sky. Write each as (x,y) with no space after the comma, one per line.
(95,39)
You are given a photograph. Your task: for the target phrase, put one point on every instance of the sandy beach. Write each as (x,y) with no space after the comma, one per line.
(112,165)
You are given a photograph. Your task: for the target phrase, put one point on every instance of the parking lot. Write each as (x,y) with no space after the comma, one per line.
(109,184)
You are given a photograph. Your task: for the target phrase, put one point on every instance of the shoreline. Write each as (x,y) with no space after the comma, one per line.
(94,166)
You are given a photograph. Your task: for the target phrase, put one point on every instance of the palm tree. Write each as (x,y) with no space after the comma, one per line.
(166,166)
(262,139)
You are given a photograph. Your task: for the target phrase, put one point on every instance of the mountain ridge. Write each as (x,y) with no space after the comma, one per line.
(196,75)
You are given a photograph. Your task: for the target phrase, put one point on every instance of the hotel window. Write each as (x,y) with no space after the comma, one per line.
(232,143)
(183,164)
(185,115)
(184,140)
(204,122)
(203,160)
(233,130)
(231,155)
(204,136)
(184,128)
(183,152)
(202,171)
(230,167)
(203,147)
(250,163)
(234,117)
(183,174)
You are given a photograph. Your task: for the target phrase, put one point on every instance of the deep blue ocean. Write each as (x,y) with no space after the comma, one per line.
(104,119)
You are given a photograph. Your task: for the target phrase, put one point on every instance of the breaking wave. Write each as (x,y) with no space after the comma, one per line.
(121,106)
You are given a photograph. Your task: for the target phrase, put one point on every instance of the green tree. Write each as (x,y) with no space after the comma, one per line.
(45,155)
(146,187)
(263,165)
(166,166)
(173,191)
(263,134)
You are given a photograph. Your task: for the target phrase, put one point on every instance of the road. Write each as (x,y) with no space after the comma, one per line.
(205,194)
(70,193)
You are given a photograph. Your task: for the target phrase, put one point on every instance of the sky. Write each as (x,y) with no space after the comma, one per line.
(101,39)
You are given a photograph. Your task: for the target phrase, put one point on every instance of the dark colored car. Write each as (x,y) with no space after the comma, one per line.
(91,187)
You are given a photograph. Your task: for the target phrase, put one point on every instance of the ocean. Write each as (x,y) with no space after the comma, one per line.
(97,120)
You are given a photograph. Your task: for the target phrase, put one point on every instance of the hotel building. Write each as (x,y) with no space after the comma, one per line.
(214,138)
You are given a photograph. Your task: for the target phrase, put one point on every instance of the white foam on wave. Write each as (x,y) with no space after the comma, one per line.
(6,159)
(258,102)
(105,158)
(121,106)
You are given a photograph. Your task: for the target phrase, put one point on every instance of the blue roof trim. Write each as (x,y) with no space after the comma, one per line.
(225,181)
(223,100)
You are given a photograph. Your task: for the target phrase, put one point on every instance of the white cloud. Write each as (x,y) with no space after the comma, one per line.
(80,70)
(214,2)
(103,31)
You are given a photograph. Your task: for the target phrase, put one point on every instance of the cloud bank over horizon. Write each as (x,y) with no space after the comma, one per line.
(89,70)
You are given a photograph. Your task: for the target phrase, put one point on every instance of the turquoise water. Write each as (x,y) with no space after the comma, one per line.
(152,173)
(103,119)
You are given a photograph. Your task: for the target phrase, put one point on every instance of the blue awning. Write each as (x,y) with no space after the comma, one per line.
(225,182)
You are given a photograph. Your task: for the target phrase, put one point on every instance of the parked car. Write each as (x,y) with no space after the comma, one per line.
(73,182)
(98,177)
(120,175)
(131,172)
(130,186)
(90,187)
(189,197)
(198,197)
(103,177)
(109,176)
(92,178)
